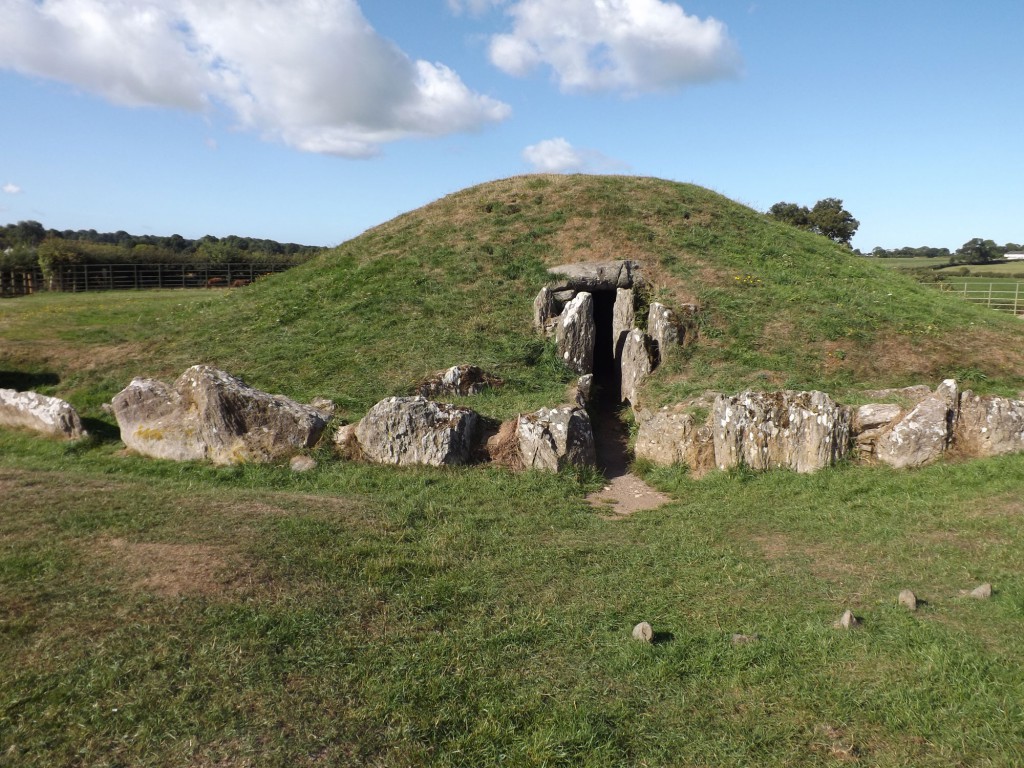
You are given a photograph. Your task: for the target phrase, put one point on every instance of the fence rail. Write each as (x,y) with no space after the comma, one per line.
(1004,296)
(76,278)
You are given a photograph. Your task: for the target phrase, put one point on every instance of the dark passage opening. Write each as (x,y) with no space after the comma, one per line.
(611,438)
(607,378)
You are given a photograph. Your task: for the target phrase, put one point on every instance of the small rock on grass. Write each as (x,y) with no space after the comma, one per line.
(984,592)
(847,621)
(643,632)
(302,463)
(907,599)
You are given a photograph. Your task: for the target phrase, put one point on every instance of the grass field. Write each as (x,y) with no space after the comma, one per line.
(1014,269)
(911,262)
(1010,268)
(159,614)
(162,614)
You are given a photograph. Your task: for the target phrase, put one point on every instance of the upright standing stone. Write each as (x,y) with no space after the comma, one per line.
(544,310)
(665,329)
(672,435)
(635,364)
(623,319)
(553,438)
(907,599)
(870,422)
(989,426)
(802,431)
(576,334)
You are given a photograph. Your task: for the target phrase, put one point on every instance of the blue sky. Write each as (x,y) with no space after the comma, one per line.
(311,120)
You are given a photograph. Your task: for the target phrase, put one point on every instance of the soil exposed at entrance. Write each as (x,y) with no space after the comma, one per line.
(624,493)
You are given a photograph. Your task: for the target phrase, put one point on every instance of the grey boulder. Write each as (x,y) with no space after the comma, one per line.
(416,431)
(458,381)
(924,434)
(553,438)
(211,415)
(594,276)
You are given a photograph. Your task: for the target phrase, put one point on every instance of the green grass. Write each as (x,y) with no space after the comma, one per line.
(363,615)
(912,262)
(1014,269)
(942,267)
(156,614)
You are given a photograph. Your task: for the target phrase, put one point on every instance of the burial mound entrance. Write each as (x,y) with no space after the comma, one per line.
(590,309)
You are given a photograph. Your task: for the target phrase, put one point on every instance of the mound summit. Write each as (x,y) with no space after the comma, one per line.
(454,282)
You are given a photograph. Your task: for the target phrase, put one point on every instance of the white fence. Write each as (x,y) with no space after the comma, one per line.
(1002,295)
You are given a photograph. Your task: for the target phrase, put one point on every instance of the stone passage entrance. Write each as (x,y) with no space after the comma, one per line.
(591,310)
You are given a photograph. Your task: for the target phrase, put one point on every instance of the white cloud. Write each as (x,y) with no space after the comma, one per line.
(11,189)
(311,73)
(559,156)
(621,45)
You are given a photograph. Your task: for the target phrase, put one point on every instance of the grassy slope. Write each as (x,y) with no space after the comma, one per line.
(454,281)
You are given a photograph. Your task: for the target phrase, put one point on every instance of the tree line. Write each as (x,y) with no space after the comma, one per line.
(975,251)
(828,217)
(28,244)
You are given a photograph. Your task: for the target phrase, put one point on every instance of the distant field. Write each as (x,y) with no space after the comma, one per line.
(1010,268)
(911,262)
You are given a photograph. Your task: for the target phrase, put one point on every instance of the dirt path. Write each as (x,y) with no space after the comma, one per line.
(624,493)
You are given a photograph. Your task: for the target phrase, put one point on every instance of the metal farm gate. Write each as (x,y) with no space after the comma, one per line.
(76,278)
(1005,295)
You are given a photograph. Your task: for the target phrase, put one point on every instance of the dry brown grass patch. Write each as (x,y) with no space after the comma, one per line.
(828,562)
(1005,506)
(174,570)
(503,446)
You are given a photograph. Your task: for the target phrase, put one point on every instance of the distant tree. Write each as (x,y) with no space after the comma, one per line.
(791,213)
(28,233)
(978,251)
(53,252)
(827,217)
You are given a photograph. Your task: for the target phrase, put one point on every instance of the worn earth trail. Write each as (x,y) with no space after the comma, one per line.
(624,493)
